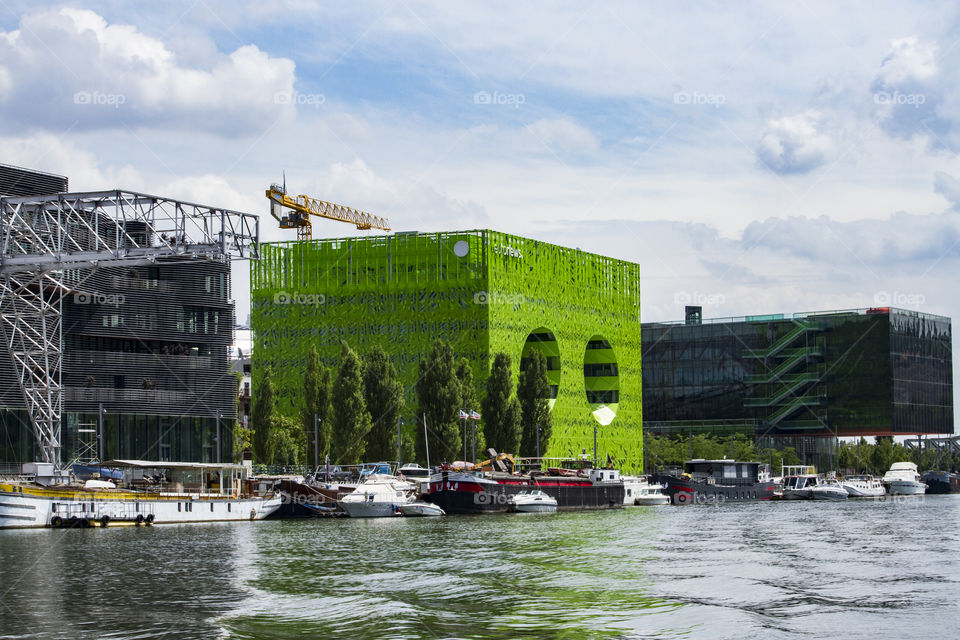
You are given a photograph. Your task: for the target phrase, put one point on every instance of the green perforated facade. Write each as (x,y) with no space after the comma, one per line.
(482,291)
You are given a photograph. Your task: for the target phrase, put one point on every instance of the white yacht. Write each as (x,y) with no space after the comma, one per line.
(903,479)
(380,495)
(532,502)
(638,491)
(828,490)
(413,472)
(863,487)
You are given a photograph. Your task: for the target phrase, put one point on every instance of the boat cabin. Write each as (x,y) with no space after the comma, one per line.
(724,472)
(181,477)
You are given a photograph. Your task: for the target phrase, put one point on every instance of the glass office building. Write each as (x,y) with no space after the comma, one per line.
(802,378)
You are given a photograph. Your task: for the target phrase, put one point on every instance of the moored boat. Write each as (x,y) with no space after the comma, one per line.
(829,490)
(639,491)
(715,481)
(421,509)
(798,481)
(459,492)
(379,496)
(535,501)
(863,486)
(941,482)
(903,479)
(148,493)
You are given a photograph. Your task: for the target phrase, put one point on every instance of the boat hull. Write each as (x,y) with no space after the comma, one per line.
(942,482)
(534,508)
(834,495)
(465,494)
(685,491)
(854,491)
(23,506)
(421,509)
(906,488)
(651,501)
(372,509)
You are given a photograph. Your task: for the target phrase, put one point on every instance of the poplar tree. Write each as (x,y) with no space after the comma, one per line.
(468,402)
(533,392)
(262,418)
(501,410)
(438,397)
(384,398)
(316,402)
(351,420)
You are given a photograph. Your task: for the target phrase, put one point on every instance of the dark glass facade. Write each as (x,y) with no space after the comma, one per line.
(844,373)
(149,345)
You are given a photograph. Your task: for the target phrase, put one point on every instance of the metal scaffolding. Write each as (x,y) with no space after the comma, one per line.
(45,239)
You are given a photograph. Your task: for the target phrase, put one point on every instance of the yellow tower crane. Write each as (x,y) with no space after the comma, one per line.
(302,207)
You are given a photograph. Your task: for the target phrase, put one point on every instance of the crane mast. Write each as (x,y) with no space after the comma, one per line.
(302,207)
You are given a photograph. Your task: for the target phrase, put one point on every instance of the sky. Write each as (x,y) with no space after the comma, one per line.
(753,158)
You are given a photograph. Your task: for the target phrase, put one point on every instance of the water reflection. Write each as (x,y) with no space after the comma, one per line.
(737,571)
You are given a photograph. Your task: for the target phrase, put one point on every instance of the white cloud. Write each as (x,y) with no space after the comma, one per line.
(563,135)
(909,60)
(72,66)
(795,144)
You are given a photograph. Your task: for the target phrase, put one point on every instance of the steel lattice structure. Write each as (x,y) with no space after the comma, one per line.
(45,238)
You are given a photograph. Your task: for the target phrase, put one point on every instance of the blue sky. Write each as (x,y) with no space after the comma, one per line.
(755,157)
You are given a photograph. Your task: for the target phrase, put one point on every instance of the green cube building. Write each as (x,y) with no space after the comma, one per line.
(482,291)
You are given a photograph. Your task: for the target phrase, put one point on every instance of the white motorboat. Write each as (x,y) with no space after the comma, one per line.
(638,491)
(798,487)
(863,487)
(532,502)
(378,496)
(903,479)
(143,492)
(828,490)
(420,508)
(413,472)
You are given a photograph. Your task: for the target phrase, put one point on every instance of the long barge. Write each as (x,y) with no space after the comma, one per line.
(459,492)
(717,481)
(150,493)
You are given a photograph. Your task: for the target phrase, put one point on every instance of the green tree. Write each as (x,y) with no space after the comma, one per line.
(351,420)
(469,402)
(883,455)
(287,442)
(438,398)
(262,413)
(501,410)
(384,397)
(316,402)
(533,392)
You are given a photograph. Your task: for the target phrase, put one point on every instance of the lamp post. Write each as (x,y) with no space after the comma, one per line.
(218,435)
(100,414)
(316,441)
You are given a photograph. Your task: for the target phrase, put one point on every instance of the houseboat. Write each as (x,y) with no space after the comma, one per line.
(716,481)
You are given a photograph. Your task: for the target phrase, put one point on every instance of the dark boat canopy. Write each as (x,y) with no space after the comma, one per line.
(723,468)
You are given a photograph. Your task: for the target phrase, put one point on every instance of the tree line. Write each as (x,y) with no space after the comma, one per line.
(355,411)
(863,457)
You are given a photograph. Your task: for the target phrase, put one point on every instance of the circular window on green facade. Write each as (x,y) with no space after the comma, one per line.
(601,379)
(543,341)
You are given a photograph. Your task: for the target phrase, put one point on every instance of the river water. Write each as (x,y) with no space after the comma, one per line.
(887,569)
